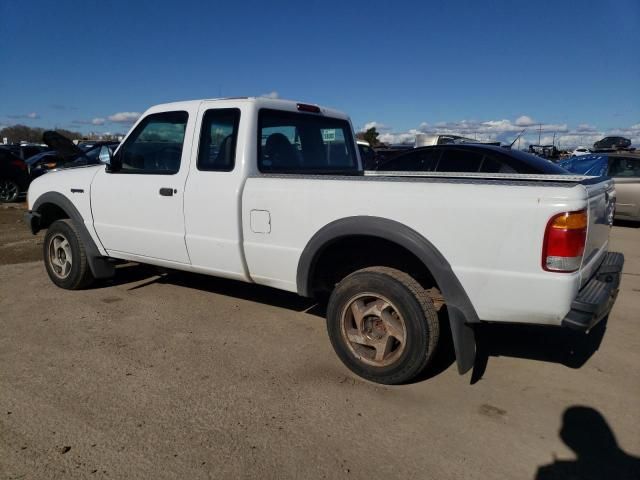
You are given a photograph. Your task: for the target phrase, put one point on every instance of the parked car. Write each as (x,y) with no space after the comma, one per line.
(385,153)
(76,156)
(14,178)
(367,154)
(580,151)
(284,202)
(89,144)
(24,151)
(469,158)
(428,139)
(624,168)
(613,143)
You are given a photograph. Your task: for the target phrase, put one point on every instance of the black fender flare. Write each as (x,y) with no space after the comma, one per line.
(459,307)
(100,267)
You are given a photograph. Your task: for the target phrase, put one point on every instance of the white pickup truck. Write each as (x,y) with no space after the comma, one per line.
(272,192)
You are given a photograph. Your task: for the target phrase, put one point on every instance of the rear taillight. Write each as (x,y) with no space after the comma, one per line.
(564,241)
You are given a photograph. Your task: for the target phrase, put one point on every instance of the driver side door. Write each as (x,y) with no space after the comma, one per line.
(138,209)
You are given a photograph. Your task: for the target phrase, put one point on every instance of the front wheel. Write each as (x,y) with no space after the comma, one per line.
(65,257)
(383,325)
(9,190)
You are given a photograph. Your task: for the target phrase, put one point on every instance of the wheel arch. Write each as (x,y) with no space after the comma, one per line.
(52,206)
(460,309)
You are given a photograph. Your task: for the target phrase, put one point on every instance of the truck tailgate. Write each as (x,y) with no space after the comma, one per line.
(601,201)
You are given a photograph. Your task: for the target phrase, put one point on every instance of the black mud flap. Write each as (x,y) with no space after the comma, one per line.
(464,340)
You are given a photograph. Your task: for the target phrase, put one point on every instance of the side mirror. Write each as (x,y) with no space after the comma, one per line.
(113,162)
(105,155)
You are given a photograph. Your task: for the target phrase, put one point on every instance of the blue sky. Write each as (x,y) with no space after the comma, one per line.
(483,68)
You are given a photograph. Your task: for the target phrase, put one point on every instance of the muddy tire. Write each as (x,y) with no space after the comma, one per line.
(383,325)
(65,257)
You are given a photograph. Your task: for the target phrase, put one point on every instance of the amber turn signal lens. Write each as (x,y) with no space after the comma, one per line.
(570,221)
(564,242)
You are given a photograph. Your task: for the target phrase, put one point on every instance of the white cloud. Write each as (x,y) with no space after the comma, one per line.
(506,131)
(404,137)
(585,127)
(377,125)
(98,121)
(124,117)
(272,94)
(524,121)
(30,116)
(630,132)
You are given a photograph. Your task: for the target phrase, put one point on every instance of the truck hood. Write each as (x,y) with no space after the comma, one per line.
(72,183)
(65,147)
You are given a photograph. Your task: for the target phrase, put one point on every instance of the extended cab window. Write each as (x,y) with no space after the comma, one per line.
(155,146)
(218,139)
(290,142)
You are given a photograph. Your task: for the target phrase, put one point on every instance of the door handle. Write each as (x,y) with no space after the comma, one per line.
(167,192)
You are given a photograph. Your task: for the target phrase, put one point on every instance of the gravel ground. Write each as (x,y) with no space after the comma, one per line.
(183,376)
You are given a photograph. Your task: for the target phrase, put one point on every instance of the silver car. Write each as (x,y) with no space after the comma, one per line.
(625,170)
(623,167)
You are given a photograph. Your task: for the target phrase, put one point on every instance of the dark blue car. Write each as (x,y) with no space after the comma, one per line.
(595,164)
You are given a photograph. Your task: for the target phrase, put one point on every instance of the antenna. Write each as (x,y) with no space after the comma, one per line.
(539,133)
(518,139)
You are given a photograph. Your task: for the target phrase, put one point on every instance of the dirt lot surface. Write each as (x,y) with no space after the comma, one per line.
(184,376)
(17,245)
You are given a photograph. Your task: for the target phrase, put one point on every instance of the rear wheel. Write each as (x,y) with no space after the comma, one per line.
(9,190)
(383,325)
(65,257)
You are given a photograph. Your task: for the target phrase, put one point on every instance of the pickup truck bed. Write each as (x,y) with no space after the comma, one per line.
(505,284)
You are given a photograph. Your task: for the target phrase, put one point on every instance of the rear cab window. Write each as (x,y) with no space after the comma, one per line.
(291,142)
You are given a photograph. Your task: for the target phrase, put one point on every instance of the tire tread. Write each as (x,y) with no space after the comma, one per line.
(430,318)
(84,278)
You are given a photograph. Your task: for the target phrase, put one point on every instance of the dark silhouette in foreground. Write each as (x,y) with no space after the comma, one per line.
(598,456)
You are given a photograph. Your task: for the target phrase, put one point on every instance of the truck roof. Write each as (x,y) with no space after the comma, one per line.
(259,102)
